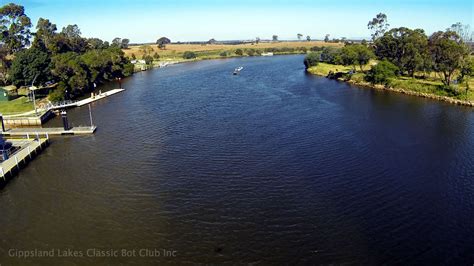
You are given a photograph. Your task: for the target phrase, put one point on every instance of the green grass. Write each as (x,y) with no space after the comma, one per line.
(19,105)
(430,85)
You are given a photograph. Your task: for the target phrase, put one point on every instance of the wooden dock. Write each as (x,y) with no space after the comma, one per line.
(99,97)
(65,105)
(46,132)
(29,148)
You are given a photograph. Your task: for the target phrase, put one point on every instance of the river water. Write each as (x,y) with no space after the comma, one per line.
(194,165)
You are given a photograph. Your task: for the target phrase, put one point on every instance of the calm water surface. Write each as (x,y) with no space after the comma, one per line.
(272,166)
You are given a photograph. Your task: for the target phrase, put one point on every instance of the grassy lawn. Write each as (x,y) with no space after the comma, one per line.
(432,84)
(19,105)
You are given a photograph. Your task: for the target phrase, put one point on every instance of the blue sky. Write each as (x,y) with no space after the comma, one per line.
(186,20)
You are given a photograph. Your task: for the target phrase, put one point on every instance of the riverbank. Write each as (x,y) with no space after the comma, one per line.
(428,88)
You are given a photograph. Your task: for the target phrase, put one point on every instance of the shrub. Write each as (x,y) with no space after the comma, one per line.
(57,94)
(382,73)
(189,55)
(311,60)
(331,55)
(250,52)
(148,59)
(239,52)
(223,54)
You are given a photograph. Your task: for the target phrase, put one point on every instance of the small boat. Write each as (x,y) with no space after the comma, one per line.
(267,54)
(237,70)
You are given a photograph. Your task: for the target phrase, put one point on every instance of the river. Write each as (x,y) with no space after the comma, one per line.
(194,165)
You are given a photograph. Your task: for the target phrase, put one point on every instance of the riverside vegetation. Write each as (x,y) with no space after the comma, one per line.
(404,60)
(73,64)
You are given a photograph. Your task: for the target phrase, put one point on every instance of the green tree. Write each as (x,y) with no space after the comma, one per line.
(162,42)
(71,71)
(189,55)
(250,52)
(363,54)
(124,44)
(117,41)
(156,56)
(349,56)
(326,38)
(330,55)
(311,60)
(275,38)
(406,48)
(448,52)
(14,28)
(28,65)
(382,73)
(96,43)
(467,69)
(299,36)
(45,32)
(464,31)
(148,59)
(308,38)
(223,54)
(239,52)
(378,25)
(257,40)
(71,35)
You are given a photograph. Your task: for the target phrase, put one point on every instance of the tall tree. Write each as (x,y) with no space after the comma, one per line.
(14,27)
(464,31)
(72,35)
(404,47)
(125,43)
(162,42)
(275,38)
(96,43)
(45,32)
(378,25)
(117,41)
(308,38)
(326,38)
(28,65)
(448,52)
(257,40)
(299,36)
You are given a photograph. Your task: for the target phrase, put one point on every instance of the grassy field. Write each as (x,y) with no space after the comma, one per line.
(19,105)
(206,51)
(430,85)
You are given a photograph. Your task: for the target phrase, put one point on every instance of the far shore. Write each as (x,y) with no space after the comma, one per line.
(323,70)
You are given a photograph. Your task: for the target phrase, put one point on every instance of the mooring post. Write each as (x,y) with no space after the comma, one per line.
(27,136)
(37,137)
(3,124)
(47,136)
(3,174)
(16,161)
(65,121)
(90,116)
(29,151)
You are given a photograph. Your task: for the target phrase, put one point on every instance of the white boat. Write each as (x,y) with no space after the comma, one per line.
(267,54)
(237,70)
